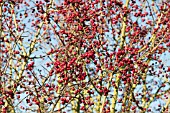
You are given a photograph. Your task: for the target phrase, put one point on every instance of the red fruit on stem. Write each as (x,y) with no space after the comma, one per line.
(168,69)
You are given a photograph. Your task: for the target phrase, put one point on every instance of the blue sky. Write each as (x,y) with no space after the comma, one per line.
(165,57)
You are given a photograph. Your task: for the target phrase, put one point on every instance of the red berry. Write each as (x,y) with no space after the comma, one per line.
(1,103)
(49,99)
(168,69)
(134,107)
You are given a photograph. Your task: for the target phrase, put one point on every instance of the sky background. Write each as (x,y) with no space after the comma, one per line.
(165,57)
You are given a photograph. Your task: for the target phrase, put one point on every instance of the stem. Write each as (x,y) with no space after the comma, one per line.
(166,106)
(131,97)
(115,93)
(58,92)
(98,103)
(125,98)
(124,26)
(144,83)
(104,99)
(78,106)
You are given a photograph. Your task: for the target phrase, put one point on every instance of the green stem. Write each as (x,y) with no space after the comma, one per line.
(115,93)
(166,106)
(104,99)
(124,26)
(78,106)
(125,98)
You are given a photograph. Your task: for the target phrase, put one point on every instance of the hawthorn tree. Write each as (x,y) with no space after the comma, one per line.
(101,56)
